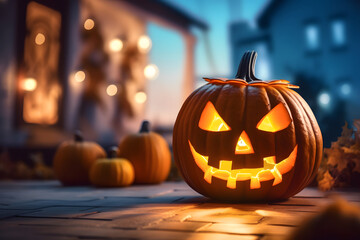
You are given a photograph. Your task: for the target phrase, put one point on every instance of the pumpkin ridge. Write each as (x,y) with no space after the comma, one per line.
(302,163)
(284,184)
(312,144)
(211,93)
(270,106)
(293,115)
(194,116)
(318,154)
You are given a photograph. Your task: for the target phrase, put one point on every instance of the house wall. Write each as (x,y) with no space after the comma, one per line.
(8,25)
(289,52)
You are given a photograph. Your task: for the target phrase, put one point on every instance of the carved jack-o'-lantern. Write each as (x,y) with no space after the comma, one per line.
(245,139)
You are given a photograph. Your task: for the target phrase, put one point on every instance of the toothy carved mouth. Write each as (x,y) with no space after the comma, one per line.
(271,170)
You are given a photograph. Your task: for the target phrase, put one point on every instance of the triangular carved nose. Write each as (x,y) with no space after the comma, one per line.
(243,145)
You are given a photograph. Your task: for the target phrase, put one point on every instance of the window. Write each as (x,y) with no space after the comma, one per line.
(338,32)
(312,37)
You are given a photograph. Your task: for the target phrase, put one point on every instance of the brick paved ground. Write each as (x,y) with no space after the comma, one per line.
(46,210)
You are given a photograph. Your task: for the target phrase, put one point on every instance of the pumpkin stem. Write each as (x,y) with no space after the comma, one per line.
(78,137)
(113,152)
(246,67)
(145,127)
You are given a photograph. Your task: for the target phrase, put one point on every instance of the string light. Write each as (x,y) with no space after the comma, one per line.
(151,71)
(144,44)
(116,45)
(111,90)
(40,39)
(79,76)
(29,84)
(140,97)
(89,24)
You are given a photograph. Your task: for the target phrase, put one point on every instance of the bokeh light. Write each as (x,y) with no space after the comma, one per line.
(324,99)
(151,71)
(29,84)
(345,89)
(111,90)
(116,45)
(40,39)
(89,24)
(144,44)
(140,97)
(79,76)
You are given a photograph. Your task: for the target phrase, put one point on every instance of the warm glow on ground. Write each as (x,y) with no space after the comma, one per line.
(111,90)
(39,39)
(151,71)
(29,84)
(116,45)
(140,97)
(89,24)
(144,44)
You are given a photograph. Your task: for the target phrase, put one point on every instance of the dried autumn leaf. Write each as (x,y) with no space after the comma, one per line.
(327,182)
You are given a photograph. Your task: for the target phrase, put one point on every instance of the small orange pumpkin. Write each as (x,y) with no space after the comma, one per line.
(112,172)
(149,153)
(73,160)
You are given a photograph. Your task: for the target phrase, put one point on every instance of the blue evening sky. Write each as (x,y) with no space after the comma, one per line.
(212,59)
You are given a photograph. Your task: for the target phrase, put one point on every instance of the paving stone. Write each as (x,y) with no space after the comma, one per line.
(218,215)
(259,229)
(176,226)
(61,232)
(297,202)
(46,210)
(146,209)
(58,212)
(38,204)
(310,192)
(6,213)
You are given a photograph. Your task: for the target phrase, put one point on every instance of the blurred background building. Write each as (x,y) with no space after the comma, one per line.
(85,65)
(104,65)
(314,44)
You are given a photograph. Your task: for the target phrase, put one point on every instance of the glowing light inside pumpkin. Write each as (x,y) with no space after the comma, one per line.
(89,24)
(116,45)
(151,71)
(40,39)
(79,76)
(144,44)
(29,84)
(140,97)
(277,119)
(111,90)
(210,120)
(270,170)
(243,145)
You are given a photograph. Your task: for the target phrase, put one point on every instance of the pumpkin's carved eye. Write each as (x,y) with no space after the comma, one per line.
(210,120)
(277,119)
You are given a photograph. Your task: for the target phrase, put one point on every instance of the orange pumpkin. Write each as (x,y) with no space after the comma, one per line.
(73,160)
(112,172)
(149,153)
(245,139)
